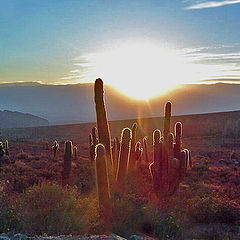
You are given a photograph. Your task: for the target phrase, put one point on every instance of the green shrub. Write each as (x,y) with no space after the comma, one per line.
(128,215)
(166,227)
(209,210)
(51,209)
(9,221)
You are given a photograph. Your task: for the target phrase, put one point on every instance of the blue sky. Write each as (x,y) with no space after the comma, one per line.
(40,40)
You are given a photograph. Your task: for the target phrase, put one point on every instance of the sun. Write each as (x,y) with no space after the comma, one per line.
(139,70)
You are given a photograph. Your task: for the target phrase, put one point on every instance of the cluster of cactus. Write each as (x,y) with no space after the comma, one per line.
(170,161)
(4,151)
(55,147)
(114,161)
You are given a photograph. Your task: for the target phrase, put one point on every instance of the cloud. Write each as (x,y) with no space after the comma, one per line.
(212,4)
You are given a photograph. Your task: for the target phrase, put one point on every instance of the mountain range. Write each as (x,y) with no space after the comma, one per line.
(61,104)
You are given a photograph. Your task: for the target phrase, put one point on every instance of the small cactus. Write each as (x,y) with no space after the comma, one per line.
(1,150)
(93,141)
(75,149)
(115,154)
(67,164)
(102,182)
(132,157)
(124,154)
(6,148)
(55,147)
(102,122)
(145,150)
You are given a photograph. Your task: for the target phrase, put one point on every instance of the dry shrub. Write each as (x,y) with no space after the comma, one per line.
(49,208)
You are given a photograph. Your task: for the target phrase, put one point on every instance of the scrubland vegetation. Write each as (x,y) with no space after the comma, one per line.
(153,187)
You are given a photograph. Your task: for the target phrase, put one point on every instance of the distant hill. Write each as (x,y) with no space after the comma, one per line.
(221,125)
(75,103)
(9,119)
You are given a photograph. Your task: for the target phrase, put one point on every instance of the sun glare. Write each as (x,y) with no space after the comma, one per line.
(139,70)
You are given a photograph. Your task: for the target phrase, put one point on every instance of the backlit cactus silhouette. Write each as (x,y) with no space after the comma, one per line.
(145,150)
(115,155)
(75,152)
(93,141)
(102,122)
(55,147)
(67,164)
(170,162)
(132,156)
(102,182)
(124,154)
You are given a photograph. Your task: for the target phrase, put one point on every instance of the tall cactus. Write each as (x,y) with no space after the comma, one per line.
(102,122)
(124,154)
(102,182)
(67,164)
(167,120)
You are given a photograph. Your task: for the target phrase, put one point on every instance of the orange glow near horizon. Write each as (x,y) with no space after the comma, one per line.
(140,71)
(143,70)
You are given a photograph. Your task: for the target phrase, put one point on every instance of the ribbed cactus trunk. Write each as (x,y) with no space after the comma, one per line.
(93,141)
(156,165)
(124,154)
(115,154)
(102,181)
(102,122)
(67,164)
(132,157)
(165,149)
(145,150)
(167,120)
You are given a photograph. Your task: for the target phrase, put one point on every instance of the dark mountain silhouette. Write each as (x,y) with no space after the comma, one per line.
(9,119)
(74,103)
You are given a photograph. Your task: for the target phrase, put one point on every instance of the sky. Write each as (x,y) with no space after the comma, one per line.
(61,41)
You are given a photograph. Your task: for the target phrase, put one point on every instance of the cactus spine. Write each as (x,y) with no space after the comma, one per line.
(67,164)
(102,182)
(124,154)
(102,122)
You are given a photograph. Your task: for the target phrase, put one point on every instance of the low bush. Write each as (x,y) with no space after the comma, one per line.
(49,208)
